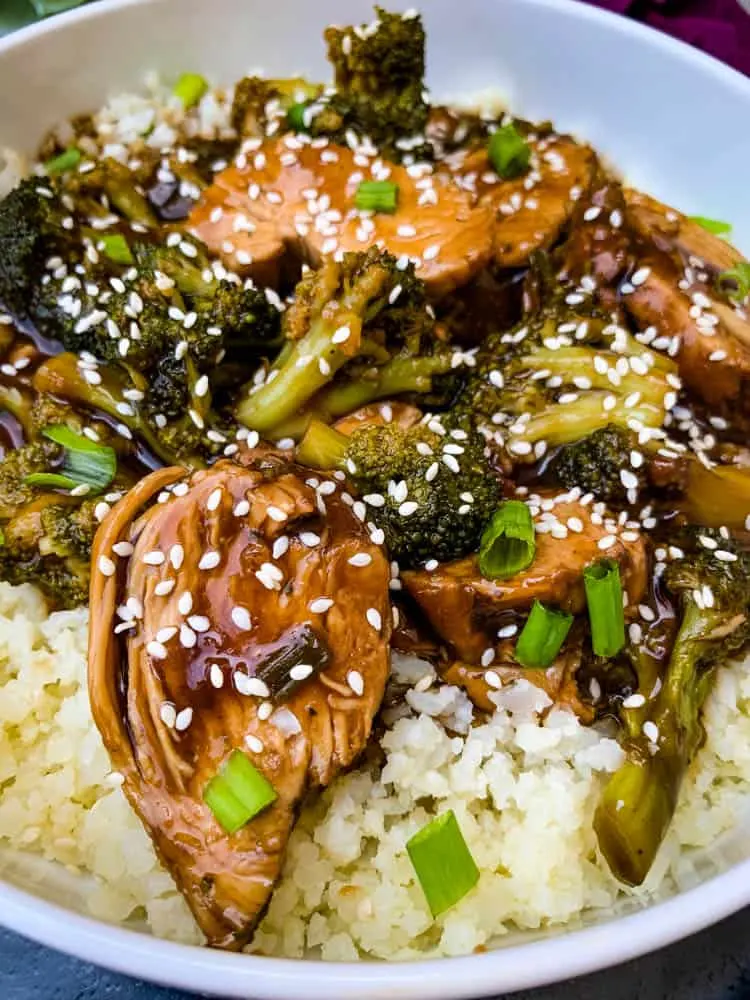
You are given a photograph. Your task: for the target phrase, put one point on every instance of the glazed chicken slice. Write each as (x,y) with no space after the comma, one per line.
(660,268)
(467,610)
(531,211)
(288,196)
(251,614)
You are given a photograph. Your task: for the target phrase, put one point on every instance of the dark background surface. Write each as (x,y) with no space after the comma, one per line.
(713,965)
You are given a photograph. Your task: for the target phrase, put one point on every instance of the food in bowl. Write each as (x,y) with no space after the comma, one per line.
(396,451)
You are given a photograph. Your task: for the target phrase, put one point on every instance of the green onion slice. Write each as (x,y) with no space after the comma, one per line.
(115,246)
(295,116)
(50,480)
(190,88)
(606,612)
(238,792)
(545,631)
(508,542)
(509,152)
(84,461)
(65,161)
(715,226)
(443,863)
(44,8)
(377,196)
(736,281)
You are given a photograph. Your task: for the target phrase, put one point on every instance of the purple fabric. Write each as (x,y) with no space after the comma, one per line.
(719,27)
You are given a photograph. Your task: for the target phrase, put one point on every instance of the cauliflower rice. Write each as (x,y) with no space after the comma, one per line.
(522,789)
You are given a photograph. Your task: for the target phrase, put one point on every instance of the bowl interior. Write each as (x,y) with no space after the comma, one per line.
(667,116)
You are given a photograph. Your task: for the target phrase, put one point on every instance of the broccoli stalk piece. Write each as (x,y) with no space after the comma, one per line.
(431,503)
(178,441)
(379,82)
(639,800)
(535,388)
(363,309)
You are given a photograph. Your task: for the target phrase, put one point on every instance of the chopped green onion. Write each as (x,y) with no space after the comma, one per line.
(115,246)
(84,461)
(377,196)
(65,161)
(606,612)
(295,117)
(509,152)
(443,863)
(190,88)
(736,281)
(44,8)
(508,542)
(545,631)
(715,226)
(238,792)
(51,480)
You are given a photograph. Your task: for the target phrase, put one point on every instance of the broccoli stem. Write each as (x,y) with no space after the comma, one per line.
(394,378)
(290,386)
(639,800)
(61,376)
(322,447)
(560,423)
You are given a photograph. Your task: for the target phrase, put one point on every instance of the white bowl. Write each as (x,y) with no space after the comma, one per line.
(670,117)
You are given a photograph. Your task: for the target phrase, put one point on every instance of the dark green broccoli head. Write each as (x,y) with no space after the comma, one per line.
(64,582)
(247,318)
(431,493)
(596,463)
(379,79)
(714,572)
(42,456)
(31,237)
(69,529)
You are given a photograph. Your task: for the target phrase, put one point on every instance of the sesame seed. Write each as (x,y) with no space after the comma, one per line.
(492,680)
(199,623)
(216,675)
(254,744)
(407,508)
(341,335)
(241,618)
(154,558)
(356,682)
(507,631)
(209,560)
(106,566)
(374,618)
(242,508)
(309,539)
(156,650)
(164,587)
(360,559)
(606,542)
(320,605)
(265,710)
(451,462)
(280,547)
(634,701)
(214,499)
(300,672)
(723,556)
(183,719)
(177,555)
(651,731)
(168,714)
(488,656)
(276,513)
(640,276)
(123,549)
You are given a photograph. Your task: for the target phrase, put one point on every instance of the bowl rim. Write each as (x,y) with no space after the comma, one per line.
(562,955)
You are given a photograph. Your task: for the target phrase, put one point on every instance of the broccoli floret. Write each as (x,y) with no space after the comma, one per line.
(257,101)
(31,237)
(46,536)
(596,463)
(431,493)
(363,318)
(110,186)
(711,585)
(560,376)
(379,85)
